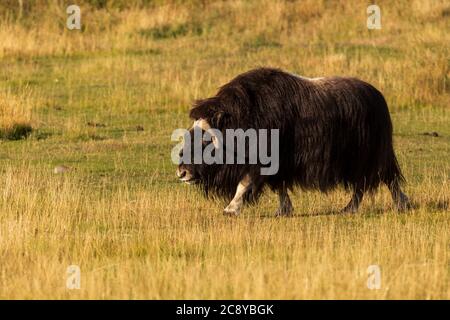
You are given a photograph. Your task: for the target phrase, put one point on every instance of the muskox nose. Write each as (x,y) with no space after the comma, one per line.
(181,173)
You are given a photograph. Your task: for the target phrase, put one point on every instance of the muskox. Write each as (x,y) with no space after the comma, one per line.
(333,131)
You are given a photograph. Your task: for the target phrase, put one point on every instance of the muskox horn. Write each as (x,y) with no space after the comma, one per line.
(203,124)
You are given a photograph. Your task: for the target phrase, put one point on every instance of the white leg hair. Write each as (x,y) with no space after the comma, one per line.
(235,205)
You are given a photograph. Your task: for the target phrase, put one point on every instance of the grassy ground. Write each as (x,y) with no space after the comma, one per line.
(119,212)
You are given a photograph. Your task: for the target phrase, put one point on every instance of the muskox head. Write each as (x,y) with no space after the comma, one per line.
(193,168)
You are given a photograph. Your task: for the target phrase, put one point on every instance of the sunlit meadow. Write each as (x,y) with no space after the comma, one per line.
(102,102)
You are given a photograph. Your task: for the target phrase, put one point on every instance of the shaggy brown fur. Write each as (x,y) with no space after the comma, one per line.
(333,131)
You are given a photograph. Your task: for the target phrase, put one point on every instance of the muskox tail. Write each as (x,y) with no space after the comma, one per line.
(389,171)
(392,175)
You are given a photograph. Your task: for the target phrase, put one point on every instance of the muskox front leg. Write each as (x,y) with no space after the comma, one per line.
(234,208)
(285,208)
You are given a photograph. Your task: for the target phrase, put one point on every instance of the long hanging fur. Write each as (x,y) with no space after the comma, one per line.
(333,131)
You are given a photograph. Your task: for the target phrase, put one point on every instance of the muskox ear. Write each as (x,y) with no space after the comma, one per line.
(219,120)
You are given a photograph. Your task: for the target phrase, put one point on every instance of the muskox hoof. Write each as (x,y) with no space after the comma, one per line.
(404,206)
(230,212)
(284,212)
(403,203)
(349,209)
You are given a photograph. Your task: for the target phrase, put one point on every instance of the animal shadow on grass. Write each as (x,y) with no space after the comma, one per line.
(308,214)
(374,211)
(441,205)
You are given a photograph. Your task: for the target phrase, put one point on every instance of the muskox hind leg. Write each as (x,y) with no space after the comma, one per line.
(354,203)
(234,207)
(285,208)
(400,199)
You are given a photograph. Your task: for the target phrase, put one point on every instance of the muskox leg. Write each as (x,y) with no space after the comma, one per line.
(285,208)
(354,203)
(400,199)
(235,205)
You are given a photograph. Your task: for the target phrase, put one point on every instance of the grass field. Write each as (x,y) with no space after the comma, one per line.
(119,212)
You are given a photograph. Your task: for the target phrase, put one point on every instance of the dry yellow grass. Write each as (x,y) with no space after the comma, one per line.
(152,243)
(119,213)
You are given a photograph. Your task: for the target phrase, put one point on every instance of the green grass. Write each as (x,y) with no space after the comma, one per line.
(136,232)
